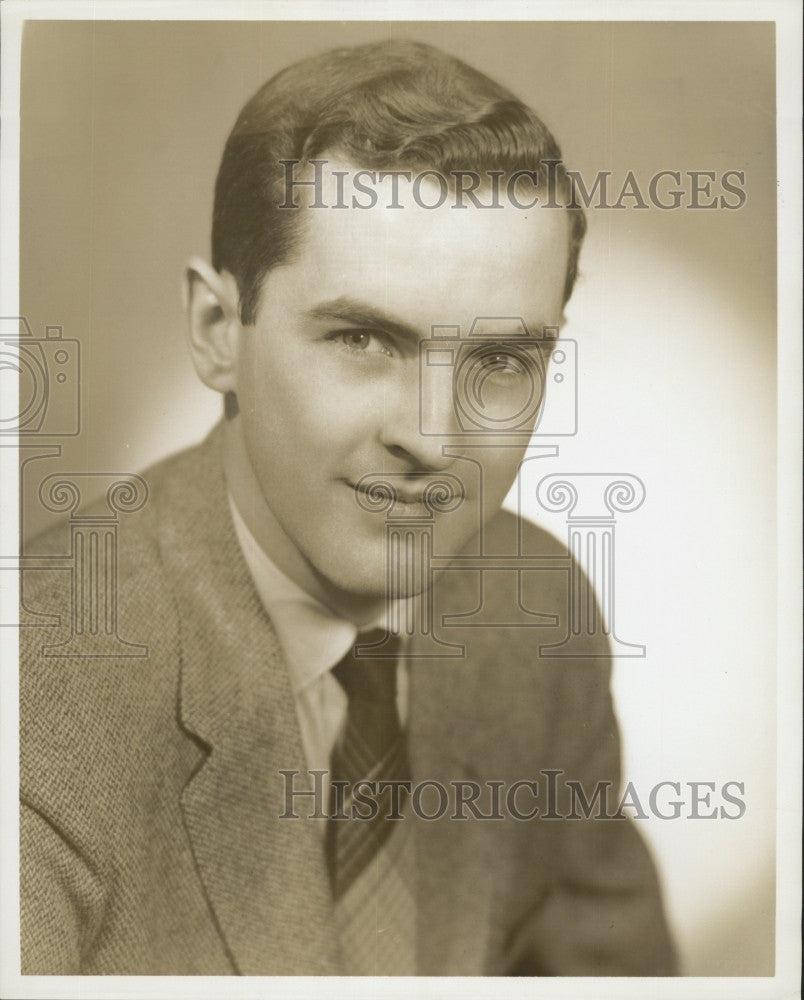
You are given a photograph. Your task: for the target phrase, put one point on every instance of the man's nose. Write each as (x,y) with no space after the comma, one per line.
(421,418)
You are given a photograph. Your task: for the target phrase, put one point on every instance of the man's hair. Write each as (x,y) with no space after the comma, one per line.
(384,106)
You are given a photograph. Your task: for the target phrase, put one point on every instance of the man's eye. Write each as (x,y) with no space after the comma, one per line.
(358,339)
(502,364)
(364,341)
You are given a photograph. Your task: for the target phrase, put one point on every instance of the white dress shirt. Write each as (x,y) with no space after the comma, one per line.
(313,639)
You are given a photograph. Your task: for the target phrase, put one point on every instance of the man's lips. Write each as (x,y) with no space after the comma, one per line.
(409,489)
(409,496)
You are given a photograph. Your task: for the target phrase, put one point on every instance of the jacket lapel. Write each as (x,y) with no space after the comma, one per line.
(265,879)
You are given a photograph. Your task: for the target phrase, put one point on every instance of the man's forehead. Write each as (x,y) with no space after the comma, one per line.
(339,192)
(429,267)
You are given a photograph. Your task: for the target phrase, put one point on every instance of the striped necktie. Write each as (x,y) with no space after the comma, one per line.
(370,748)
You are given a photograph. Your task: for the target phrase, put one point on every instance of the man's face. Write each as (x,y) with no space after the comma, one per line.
(330,386)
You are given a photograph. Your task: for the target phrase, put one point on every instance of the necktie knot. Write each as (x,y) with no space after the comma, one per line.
(367,678)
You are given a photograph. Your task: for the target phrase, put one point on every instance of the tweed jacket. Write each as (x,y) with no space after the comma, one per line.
(151,841)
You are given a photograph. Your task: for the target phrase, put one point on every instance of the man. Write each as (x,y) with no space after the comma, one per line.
(247,799)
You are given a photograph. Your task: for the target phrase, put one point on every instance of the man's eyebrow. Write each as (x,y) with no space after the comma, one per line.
(361,314)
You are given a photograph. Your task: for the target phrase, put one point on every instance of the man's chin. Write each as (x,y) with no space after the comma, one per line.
(363,595)
(371,575)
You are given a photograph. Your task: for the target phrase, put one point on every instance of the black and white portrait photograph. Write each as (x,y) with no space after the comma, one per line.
(400,439)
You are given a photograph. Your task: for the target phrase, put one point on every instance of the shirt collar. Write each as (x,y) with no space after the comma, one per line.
(313,637)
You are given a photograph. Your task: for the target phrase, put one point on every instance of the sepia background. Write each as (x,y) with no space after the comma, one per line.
(122,127)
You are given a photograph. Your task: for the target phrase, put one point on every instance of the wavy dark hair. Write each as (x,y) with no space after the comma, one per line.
(384,106)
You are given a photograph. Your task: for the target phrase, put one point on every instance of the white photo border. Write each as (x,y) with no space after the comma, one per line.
(787,17)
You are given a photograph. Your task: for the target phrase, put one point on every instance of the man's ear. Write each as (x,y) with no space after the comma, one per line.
(211,300)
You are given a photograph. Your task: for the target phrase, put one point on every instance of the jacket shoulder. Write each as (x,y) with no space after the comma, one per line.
(99,736)
(518,623)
